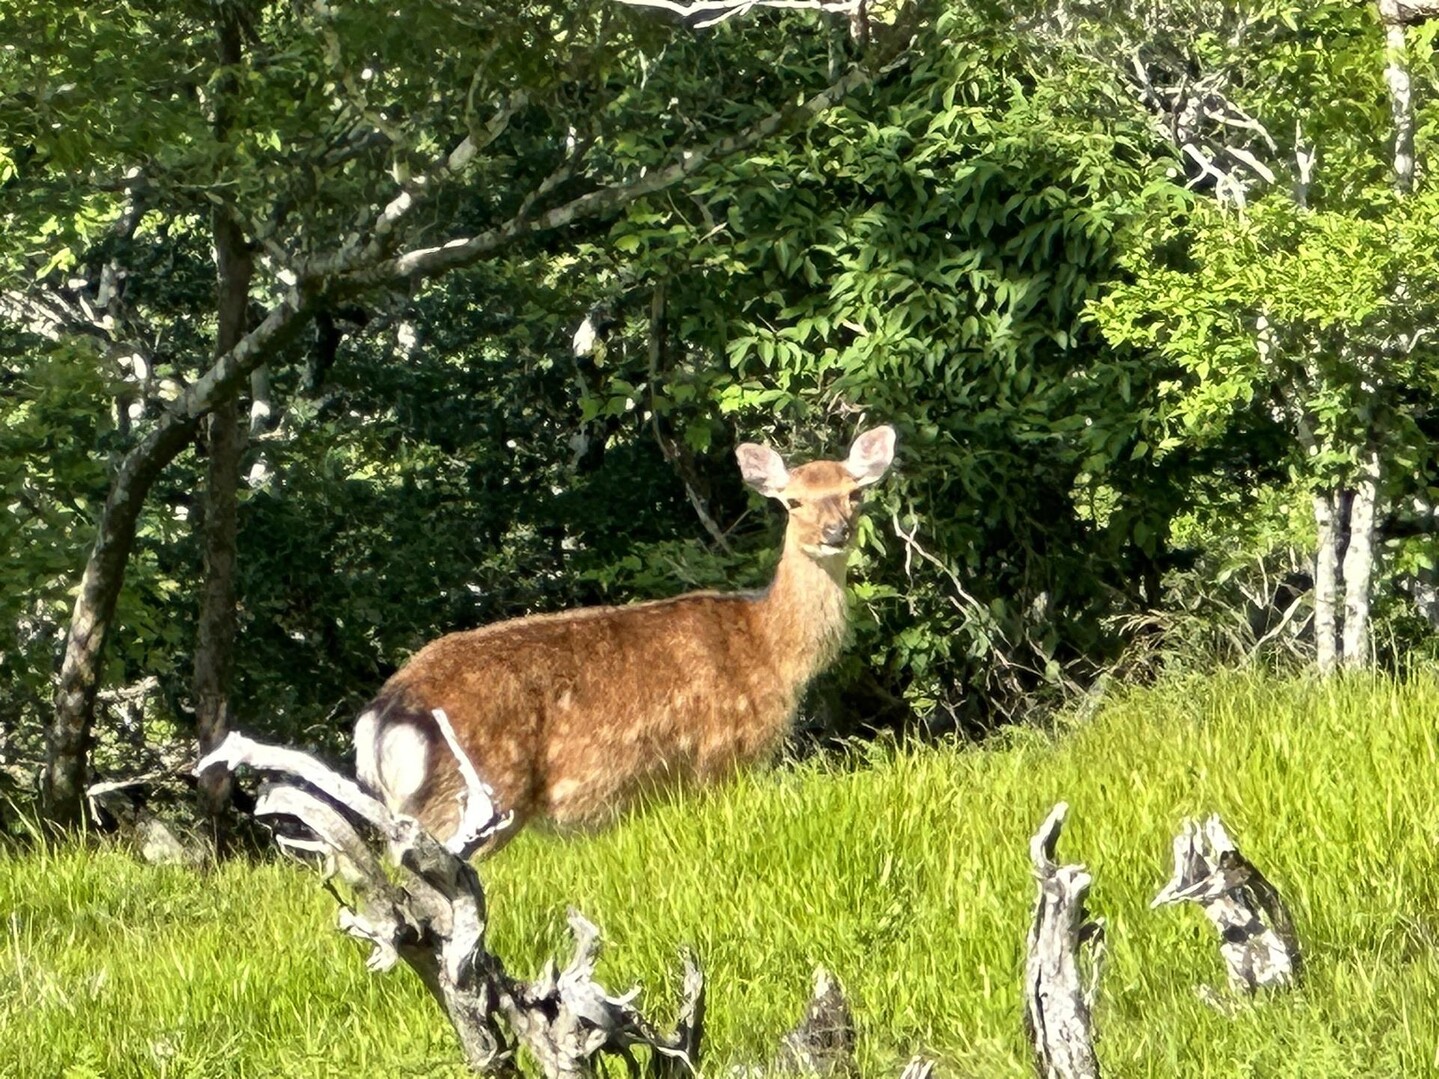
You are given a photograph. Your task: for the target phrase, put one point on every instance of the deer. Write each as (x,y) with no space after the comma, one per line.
(572,717)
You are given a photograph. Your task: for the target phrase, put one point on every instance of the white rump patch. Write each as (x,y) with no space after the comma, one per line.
(390,760)
(402,759)
(367,762)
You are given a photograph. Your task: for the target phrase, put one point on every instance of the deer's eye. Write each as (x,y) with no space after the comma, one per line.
(855,497)
(793,503)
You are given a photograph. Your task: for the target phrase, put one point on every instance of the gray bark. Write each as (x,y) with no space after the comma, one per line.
(1423,587)
(262,421)
(262,418)
(67,735)
(918,1068)
(823,1043)
(1058,997)
(216,623)
(1401,99)
(1256,933)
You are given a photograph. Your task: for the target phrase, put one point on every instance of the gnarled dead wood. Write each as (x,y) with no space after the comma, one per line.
(823,1042)
(918,1068)
(1256,933)
(429,910)
(1058,1004)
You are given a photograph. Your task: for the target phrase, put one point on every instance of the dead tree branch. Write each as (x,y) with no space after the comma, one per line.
(422,903)
(1058,1004)
(1256,932)
(823,1043)
(703,13)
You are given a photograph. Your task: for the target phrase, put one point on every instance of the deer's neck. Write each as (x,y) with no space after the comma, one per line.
(804,613)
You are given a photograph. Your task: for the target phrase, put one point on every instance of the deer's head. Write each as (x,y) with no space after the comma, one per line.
(823,497)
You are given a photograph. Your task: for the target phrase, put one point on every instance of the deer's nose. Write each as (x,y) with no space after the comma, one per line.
(836,533)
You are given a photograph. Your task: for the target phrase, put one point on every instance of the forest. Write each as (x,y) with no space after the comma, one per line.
(330,328)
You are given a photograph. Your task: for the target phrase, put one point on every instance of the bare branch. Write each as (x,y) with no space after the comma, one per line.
(428,909)
(479,819)
(703,13)
(414,191)
(237,750)
(430,261)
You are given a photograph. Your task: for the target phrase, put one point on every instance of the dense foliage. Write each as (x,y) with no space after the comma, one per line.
(988,242)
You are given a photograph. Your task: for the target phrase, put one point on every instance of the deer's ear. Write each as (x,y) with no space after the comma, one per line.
(762,468)
(870,456)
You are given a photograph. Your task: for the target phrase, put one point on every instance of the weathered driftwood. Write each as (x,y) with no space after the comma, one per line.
(823,1042)
(122,803)
(918,1068)
(430,912)
(1058,1003)
(1256,933)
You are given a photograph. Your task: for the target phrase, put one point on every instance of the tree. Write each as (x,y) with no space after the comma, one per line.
(1301,285)
(328,151)
(922,255)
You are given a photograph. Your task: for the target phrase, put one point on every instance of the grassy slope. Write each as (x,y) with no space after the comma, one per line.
(907,875)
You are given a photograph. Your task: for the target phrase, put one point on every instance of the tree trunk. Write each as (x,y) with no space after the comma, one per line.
(67,737)
(347,272)
(1326,582)
(215,630)
(1359,564)
(1401,99)
(261,410)
(225,440)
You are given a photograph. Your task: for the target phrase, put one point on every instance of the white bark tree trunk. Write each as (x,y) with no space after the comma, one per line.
(1401,98)
(262,421)
(1326,583)
(1359,564)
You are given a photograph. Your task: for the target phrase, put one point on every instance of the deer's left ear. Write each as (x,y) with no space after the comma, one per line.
(870,456)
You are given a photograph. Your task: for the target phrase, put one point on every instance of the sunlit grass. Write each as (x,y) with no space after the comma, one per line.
(905,872)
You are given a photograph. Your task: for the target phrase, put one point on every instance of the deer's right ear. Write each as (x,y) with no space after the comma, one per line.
(762,468)
(870,456)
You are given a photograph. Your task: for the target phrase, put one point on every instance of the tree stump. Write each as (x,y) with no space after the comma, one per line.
(823,1043)
(1256,933)
(429,911)
(1058,999)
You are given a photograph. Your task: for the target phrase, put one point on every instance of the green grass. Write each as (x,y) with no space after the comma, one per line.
(904,872)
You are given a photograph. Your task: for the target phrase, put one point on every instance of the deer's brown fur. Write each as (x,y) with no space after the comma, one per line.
(569,717)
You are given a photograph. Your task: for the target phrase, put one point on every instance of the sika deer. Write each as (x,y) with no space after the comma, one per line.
(568,717)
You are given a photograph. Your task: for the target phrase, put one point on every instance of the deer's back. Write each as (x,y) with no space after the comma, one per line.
(570,716)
